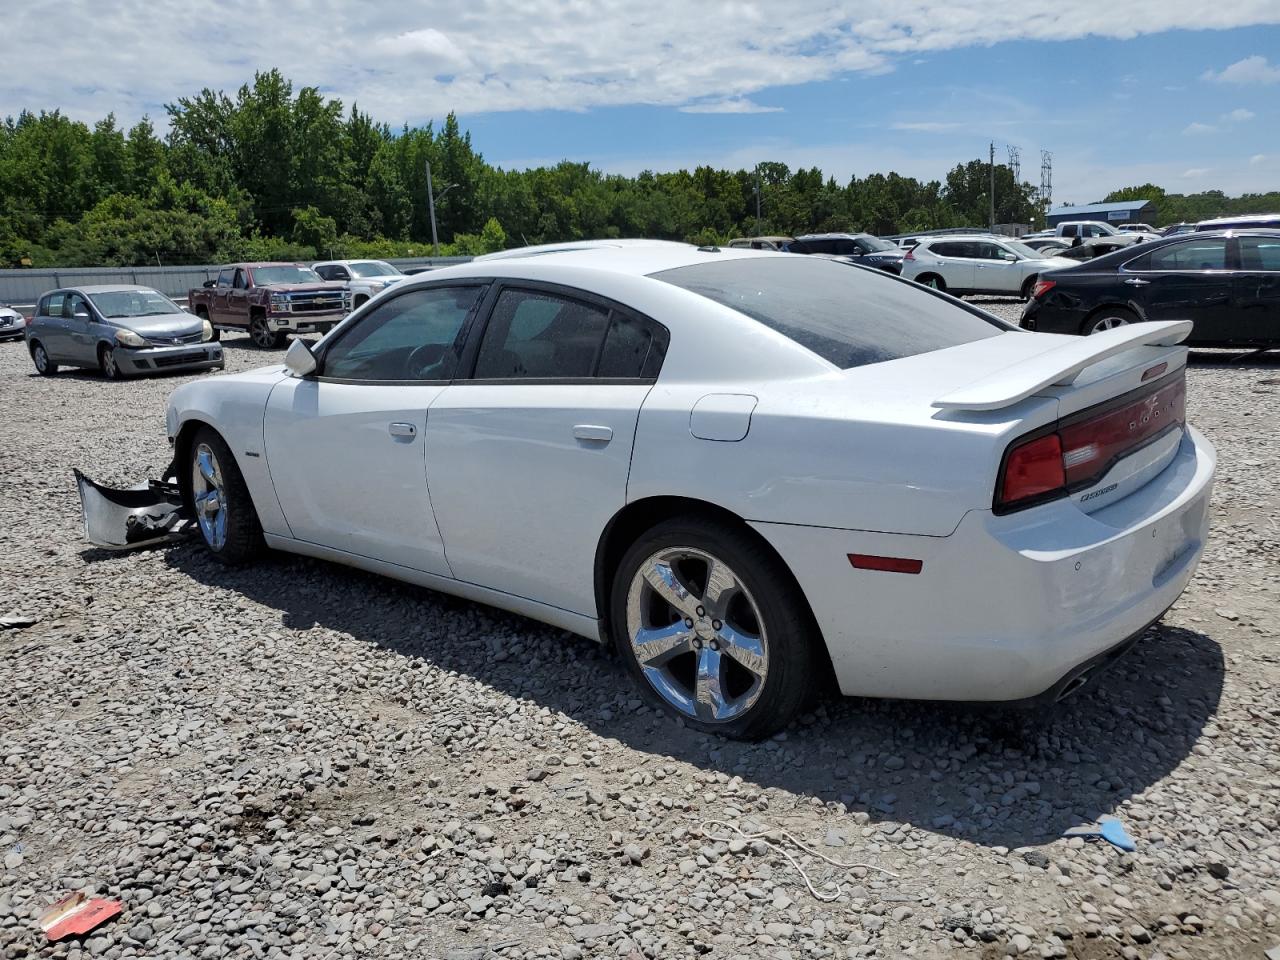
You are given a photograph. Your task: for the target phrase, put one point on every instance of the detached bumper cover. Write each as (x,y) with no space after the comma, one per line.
(143,515)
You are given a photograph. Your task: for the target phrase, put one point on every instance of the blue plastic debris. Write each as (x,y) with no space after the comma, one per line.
(1109,829)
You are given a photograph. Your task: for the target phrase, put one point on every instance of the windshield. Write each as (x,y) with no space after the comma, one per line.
(291,273)
(373,268)
(877,245)
(1030,253)
(142,302)
(848,316)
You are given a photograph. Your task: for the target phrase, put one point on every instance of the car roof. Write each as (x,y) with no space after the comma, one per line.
(570,246)
(966,236)
(834,236)
(632,259)
(343,263)
(254,264)
(1242,219)
(106,288)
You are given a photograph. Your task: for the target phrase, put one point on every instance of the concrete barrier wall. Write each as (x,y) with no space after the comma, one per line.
(24,287)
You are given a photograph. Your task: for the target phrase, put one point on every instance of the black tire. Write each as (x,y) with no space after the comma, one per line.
(280,340)
(784,625)
(932,280)
(107,362)
(242,541)
(1027,286)
(1121,314)
(260,333)
(40,357)
(359,302)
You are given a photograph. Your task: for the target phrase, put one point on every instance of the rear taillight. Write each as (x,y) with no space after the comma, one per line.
(1082,448)
(1032,468)
(911,254)
(1041,288)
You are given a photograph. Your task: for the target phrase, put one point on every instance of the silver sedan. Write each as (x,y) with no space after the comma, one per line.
(119,330)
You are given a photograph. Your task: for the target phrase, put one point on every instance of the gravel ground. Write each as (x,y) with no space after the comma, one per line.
(300,760)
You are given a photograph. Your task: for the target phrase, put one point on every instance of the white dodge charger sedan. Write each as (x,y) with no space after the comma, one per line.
(748,471)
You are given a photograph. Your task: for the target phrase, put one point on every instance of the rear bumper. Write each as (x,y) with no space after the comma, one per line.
(193,356)
(1005,608)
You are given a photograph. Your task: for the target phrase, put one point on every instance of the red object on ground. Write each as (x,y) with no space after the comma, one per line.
(75,915)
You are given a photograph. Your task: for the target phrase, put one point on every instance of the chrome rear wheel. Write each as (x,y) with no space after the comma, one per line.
(1108,321)
(697,634)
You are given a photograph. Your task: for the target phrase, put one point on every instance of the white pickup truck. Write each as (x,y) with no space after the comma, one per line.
(1090,229)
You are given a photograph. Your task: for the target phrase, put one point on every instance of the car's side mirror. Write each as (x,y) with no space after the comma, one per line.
(299,360)
(1008,256)
(208,283)
(82,315)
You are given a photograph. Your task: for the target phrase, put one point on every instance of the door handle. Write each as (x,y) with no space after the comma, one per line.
(402,430)
(1138,282)
(592,433)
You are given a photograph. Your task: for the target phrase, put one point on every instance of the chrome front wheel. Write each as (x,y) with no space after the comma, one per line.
(209,496)
(697,634)
(260,333)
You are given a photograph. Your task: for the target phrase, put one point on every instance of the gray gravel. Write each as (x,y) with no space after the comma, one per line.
(299,760)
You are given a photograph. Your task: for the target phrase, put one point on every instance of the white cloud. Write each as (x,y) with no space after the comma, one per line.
(1193,129)
(1257,158)
(411,62)
(1194,173)
(1238,115)
(1250,70)
(928,126)
(734,105)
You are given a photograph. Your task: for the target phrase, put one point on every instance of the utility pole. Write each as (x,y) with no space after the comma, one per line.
(992,196)
(431,206)
(1046,183)
(759,228)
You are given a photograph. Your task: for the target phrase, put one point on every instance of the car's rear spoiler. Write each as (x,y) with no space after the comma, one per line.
(1060,365)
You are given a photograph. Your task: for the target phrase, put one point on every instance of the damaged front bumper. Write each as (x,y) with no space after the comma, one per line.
(143,515)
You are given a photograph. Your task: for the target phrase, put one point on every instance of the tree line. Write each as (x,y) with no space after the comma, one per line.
(270,174)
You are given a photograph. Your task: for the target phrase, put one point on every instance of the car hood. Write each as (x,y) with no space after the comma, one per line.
(1056,263)
(169,324)
(885,255)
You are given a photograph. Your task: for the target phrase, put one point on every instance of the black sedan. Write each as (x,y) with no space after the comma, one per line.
(1227,283)
(860,248)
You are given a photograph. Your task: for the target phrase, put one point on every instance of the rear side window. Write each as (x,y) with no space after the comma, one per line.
(51,306)
(847,315)
(1209,254)
(1260,253)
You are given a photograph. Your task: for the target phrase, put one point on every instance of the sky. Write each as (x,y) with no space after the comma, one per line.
(1182,93)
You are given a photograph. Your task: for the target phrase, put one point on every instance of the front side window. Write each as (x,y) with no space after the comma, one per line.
(224,277)
(1210,254)
(1260,254)
(415,336)
(847,317)
(990,251)
(75,304)
(240,282)
(537,335)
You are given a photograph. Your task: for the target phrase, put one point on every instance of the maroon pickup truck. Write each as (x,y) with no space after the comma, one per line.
(271,301)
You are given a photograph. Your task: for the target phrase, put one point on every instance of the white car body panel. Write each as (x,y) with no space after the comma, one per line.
(529,454)
(898,458)
(344,480)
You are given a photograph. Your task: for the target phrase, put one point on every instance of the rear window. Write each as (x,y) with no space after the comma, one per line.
(848,315)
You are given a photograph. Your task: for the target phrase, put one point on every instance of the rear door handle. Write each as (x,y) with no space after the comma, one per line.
(402,430)
(1138,282)
(592,433)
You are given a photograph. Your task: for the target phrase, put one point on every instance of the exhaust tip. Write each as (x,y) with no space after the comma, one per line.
(1073,686)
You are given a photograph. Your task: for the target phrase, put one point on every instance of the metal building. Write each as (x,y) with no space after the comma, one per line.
(1125,211)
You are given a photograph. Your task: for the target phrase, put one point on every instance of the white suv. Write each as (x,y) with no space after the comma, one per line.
(978,264)
(363,278)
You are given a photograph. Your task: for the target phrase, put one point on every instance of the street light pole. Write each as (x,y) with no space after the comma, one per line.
(431,206)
